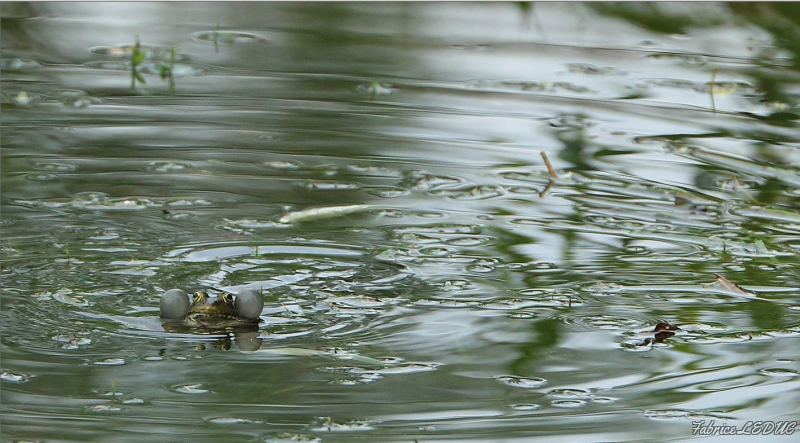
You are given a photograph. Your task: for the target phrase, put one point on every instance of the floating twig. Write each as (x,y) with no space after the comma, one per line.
(549,166)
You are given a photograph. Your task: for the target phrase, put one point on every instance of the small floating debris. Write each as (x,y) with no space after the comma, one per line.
(63,296)
(167,166)
(18,65)
(77,98)
(330,426)
(588,69)
(284,165)
(731,286)
(22,99)
(321,212)
(682,59)
(376,88)
(232,421)
(661,332)
(105,408)
(190,389)
(14,378)
(116,361)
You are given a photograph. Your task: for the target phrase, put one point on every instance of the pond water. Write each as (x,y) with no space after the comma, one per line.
(376,169)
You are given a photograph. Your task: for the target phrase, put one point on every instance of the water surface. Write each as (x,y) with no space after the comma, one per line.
(376,170)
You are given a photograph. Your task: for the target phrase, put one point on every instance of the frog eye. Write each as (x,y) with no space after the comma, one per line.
(199,296)
(226,297)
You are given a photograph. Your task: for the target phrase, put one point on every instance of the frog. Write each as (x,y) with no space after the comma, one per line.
(225,313)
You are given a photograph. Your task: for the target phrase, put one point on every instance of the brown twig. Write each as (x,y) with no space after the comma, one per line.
(549,166)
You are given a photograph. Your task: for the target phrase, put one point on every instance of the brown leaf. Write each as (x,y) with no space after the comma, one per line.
(731,286)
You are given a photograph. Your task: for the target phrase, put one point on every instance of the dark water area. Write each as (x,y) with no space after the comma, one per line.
(379,171)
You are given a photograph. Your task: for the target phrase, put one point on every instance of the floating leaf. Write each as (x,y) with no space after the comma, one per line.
(731,286)
(323,212)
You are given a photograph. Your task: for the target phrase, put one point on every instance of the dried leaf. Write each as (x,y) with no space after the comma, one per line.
(323,212)
(731,286)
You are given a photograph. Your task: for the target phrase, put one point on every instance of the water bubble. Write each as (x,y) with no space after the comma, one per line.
(569,393)
(568,403)
(521,382)
(525,407)
(217,37)
(522,315)
(40,177)
(473,240)
(56,167)
(603,400)
(435,252)
(524,190)
(779,372)
(480,267)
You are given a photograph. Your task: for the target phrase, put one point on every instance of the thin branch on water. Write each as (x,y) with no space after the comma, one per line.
(549,166)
